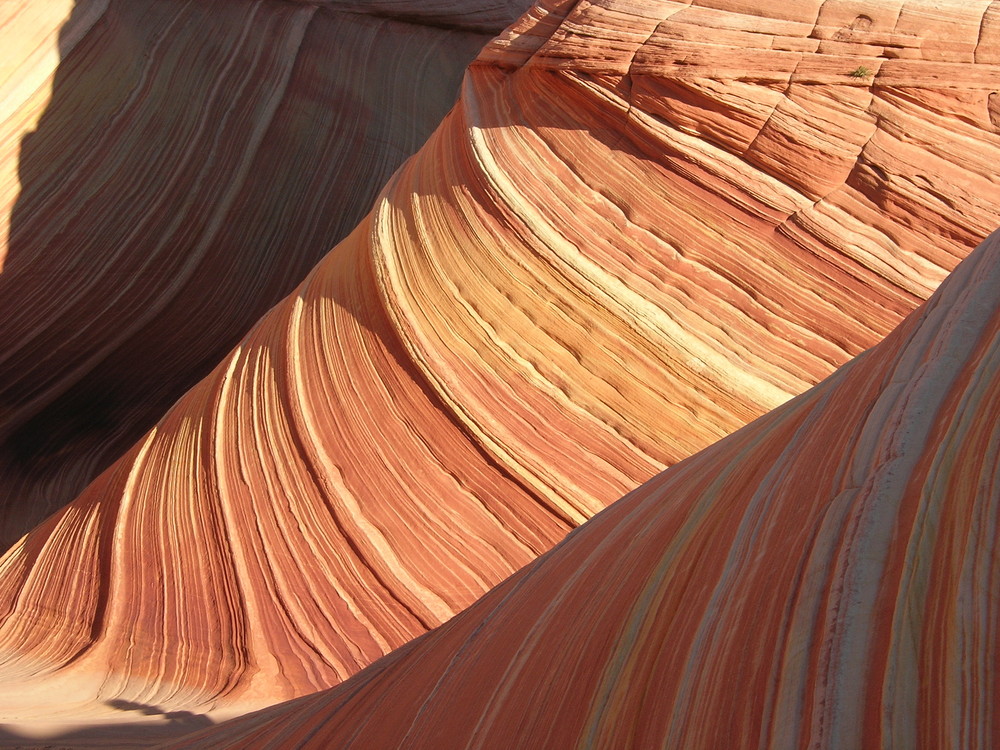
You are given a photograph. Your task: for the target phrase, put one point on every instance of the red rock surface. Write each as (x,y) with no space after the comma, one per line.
(644,225)
(170,170)
(826,577)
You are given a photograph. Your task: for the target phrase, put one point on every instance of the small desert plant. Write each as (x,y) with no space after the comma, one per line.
(860,72)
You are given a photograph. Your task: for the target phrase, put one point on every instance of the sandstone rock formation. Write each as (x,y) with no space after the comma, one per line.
(193,162)
(645,224)
(824,578)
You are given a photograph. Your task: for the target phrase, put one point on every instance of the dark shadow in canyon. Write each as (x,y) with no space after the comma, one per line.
(193,164)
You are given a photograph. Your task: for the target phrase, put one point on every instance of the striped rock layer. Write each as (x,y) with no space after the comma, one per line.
(644,225)
(168,171)
(826,577)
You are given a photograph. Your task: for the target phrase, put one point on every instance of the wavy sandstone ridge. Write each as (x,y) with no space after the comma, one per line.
(826,577)
(168,171)
(644,225)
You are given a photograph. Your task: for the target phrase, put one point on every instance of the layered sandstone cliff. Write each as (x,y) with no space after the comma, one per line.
(824,578)
(644,225)
(168,171)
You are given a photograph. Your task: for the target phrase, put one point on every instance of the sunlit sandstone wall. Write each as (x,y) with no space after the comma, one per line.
(644,225)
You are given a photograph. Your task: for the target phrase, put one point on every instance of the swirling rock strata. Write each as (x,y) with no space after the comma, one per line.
(644,225)
(193,162)
(825,578)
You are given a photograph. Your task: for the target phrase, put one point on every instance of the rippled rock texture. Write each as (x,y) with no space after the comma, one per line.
(824,578)
(644,225)
(169,171)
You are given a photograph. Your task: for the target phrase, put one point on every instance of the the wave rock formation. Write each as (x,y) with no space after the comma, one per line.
(168,172)
(826,577)
(644,225)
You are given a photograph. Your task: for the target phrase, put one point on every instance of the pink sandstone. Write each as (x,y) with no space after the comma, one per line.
(189,163)
(644,225)
(824,578)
